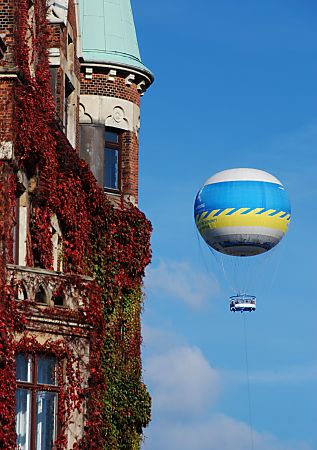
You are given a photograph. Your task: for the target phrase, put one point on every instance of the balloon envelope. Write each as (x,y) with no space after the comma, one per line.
(242,212)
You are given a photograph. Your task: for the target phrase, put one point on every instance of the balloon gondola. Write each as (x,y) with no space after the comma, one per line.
(242,213)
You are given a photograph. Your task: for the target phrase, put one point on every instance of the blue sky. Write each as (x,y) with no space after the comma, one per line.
(235,87)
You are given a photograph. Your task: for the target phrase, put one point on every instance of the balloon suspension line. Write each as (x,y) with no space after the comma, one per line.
(248,382)
(208,271)
(233,288)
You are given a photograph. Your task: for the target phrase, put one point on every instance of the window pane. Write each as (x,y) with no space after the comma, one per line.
(45,420)
(111,169)
(23,429)
(46,370)
(112,136)
(23,367)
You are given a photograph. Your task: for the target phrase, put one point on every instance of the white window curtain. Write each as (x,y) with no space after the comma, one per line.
(23,409)
(46,405)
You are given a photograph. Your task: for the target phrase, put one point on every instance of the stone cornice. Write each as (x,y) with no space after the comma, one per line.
(128,71)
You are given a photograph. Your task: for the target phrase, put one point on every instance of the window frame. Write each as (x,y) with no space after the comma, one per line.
(34,387)
(113,146)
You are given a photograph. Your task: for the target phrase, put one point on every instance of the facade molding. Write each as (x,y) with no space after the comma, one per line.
(110,111)
(127,70)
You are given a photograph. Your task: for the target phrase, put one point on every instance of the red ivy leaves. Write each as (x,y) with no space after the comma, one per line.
(112,245)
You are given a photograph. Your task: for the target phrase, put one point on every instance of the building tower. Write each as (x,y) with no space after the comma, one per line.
(112,80)
(73,244)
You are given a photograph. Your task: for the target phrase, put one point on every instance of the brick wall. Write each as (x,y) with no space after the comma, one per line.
(55,35)
(130,164)
(7,22)
(59,39)
(117,88)
(6,108)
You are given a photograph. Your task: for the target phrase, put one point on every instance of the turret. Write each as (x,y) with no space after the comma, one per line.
(113,78)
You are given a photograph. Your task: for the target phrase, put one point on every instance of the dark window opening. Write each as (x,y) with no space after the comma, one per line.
(3,47)
(40,296)
(112,160)
(69,88)
(36,401)
(58,299)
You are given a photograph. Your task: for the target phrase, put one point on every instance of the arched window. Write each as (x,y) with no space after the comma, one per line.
(41,296)
(21,292)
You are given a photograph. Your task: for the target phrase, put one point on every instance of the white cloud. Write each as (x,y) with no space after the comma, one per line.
(182,381)
(182,281)
(285,375)
(185,388)
(216,433)
(160,340)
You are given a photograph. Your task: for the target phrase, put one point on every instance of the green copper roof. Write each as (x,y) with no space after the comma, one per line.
(108,33)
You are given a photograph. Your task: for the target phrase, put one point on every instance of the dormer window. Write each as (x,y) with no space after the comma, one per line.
(112,161)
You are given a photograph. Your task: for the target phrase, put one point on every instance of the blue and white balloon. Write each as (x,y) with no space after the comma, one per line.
(242,212)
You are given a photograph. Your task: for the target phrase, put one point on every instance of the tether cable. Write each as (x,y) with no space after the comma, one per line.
(248,382)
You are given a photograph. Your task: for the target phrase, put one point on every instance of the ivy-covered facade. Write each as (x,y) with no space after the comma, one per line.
(73,243)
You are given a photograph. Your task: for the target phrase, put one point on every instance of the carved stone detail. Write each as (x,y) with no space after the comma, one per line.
(117,119)
(110,111)
(83,116)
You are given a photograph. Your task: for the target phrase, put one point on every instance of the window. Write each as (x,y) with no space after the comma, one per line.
(36,401)
(21,292)
(58,299)
(111,175)
(40,296)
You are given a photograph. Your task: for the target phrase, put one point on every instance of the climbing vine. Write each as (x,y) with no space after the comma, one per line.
(110,245)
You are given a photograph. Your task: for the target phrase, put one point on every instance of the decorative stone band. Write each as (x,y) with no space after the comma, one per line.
(110,111)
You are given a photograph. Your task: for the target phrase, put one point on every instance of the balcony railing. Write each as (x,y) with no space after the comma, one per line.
(47,297)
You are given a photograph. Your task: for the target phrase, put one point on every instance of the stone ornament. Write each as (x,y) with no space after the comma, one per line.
(117,119)
(109,111)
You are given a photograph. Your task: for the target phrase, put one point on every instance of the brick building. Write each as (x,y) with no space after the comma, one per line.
(73,244)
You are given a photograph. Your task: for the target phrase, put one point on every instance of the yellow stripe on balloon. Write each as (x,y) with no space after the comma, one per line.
(243,210)
(254,218)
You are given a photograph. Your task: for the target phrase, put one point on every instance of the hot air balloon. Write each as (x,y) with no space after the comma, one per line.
(242,213)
